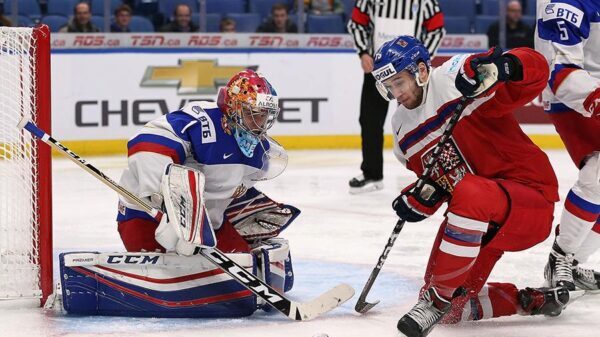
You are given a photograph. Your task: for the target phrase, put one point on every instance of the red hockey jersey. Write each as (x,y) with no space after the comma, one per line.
(487,140)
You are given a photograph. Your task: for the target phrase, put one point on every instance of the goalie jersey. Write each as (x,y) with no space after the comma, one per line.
(195,136)
(568,35)
(487,140)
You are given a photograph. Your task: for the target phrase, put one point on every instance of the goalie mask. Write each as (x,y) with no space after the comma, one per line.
(250,105)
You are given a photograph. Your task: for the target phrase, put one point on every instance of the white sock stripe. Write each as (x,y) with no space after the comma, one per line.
(486,303)
(466,223)
(462,251)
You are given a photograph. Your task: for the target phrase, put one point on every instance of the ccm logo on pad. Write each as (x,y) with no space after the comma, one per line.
(133,259)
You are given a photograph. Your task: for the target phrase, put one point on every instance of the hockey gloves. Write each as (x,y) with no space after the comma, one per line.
(482,72)
(414,205)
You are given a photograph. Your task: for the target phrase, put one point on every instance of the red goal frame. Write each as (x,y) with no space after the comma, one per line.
(41,35)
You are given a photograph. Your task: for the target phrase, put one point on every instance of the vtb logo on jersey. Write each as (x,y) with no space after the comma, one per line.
(450,167)
(191,76)
(384,72)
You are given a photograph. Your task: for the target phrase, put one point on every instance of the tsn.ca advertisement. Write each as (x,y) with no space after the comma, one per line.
(106,86)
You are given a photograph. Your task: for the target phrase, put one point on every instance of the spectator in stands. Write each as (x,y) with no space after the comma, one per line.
(182,21)
(227,25)
(80,23)
(122,19)
(4,21)
(518,34)
(324,6)
(279,21)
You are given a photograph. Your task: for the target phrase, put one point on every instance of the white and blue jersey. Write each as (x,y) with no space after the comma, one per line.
(568,35)
(193,136)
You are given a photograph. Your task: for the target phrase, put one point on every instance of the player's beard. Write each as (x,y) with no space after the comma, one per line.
(416,99)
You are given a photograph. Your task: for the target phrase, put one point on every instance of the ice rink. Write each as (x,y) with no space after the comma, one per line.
(337,238)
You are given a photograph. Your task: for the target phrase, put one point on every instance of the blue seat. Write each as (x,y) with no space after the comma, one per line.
(98,21)
(348,7)
(62,7)
(530,7)
(30,8)
(483,22)
(24,21)
(490,7)
(98,6)
(457,24)
(140,24)
(262,7)
(212,21)
(245,22)
(55,22)
(457,7)
(528,20)
(225,7)
(326,24)
(145,7)
(167,7)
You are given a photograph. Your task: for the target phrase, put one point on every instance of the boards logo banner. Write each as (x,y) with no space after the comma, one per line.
(191,76)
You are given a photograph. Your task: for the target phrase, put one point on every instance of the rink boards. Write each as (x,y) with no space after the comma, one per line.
(106,86)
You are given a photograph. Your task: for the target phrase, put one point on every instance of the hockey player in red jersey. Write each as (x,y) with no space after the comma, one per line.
(499,186)
(572,101)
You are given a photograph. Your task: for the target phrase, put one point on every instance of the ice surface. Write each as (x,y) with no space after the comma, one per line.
(338,238)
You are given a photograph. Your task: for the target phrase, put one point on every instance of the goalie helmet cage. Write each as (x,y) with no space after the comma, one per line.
(25,166)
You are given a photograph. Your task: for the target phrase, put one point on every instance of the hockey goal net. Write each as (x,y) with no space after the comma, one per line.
(25,171)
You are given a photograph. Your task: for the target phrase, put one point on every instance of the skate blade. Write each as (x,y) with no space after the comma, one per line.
(367,188)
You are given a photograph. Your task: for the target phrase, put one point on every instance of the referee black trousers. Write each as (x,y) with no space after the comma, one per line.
(373,110)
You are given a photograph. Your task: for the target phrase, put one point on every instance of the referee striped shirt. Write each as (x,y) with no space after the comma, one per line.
(428,18)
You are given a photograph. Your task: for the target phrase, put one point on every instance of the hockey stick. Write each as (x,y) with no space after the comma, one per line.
(362,306)
(295,310)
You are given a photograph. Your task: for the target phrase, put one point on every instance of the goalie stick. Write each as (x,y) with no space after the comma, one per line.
(362,306)
(299,311)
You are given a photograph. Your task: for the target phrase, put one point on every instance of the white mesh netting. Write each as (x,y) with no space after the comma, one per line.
(19,251)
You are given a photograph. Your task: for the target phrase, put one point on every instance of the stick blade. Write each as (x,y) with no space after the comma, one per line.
(324,303)
(364,306)
(23,122)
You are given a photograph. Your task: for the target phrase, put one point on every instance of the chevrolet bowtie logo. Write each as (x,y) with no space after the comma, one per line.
(191,76)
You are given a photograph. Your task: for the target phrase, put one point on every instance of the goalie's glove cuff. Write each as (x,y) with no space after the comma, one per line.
(481,73)
(414,205)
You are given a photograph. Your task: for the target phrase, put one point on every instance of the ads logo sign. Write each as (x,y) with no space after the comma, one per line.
(191,76)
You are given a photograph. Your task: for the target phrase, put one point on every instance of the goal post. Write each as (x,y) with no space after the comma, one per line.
(25,165)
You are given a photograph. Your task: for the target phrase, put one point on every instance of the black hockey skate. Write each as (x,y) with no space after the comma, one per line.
(558,271)
(361,184)
(421,319)
(584,278)
(543,301)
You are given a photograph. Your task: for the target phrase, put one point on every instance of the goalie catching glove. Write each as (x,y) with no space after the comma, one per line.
(185,226)
(481,73)
(414,205)
(257,217)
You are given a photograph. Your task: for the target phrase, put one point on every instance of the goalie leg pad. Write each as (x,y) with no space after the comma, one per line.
(256,217)
(274,266)
(153,285)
